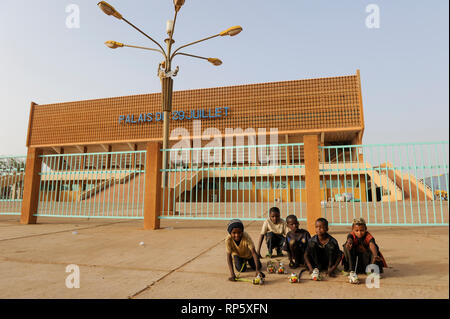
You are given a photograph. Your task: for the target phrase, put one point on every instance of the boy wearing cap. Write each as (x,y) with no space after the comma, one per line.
(240,248)
(360,243)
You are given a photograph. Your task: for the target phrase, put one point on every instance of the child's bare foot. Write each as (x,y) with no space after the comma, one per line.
(233,278)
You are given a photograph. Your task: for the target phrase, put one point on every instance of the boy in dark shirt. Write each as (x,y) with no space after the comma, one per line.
(360,243)
(296,242)
(323,250)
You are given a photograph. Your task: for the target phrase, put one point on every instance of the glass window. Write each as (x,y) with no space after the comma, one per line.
(334,183)
(45,186)
(245,185)
(262,185)
(299,184)
(352,183)
(231,185)
(280,185)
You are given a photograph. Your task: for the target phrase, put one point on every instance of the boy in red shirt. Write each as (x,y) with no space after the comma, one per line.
(360,243)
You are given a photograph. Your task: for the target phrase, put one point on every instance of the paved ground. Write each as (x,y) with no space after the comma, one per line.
(186,259)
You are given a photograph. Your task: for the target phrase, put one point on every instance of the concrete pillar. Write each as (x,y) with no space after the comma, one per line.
(109,159)
(31,186)
(312,181)
(152,190)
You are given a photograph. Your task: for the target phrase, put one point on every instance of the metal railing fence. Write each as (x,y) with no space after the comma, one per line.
(93,185)
(387,184)
(234,182)
(12,173)
(403,184)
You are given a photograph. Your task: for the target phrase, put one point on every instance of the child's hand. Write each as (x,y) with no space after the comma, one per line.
(232,278)
(377,258)
(349,244)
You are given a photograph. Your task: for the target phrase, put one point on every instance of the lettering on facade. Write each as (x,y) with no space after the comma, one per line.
(176,115)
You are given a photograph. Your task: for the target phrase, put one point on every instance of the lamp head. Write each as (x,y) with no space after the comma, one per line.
(231,31)
(215,61)
(109,9)
(178,4)
(113,44)
(169,27)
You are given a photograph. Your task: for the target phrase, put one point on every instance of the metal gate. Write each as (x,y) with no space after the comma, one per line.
(12,173)
(93,185)
(234,182)
(402,184)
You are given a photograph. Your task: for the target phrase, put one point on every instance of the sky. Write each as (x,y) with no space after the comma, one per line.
(404,63)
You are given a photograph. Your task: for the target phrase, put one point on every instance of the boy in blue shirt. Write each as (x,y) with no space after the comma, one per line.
(296,242)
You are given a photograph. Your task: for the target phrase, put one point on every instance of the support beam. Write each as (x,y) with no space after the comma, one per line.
(104,147)
(83,158)
(322,143)
(131,146)
(152,191)
(133,157)
(30,120)
(108,164)
(312,179)
(168,201)
(360,135)
(80,149)
(31,186)
(288,162)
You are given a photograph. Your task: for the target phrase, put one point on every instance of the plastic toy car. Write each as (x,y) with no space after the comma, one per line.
(281,269)
(258,280)
(270,267)
(316,275)
(353,278)
(293,278)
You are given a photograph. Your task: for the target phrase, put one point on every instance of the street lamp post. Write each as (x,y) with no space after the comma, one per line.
(165,72)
